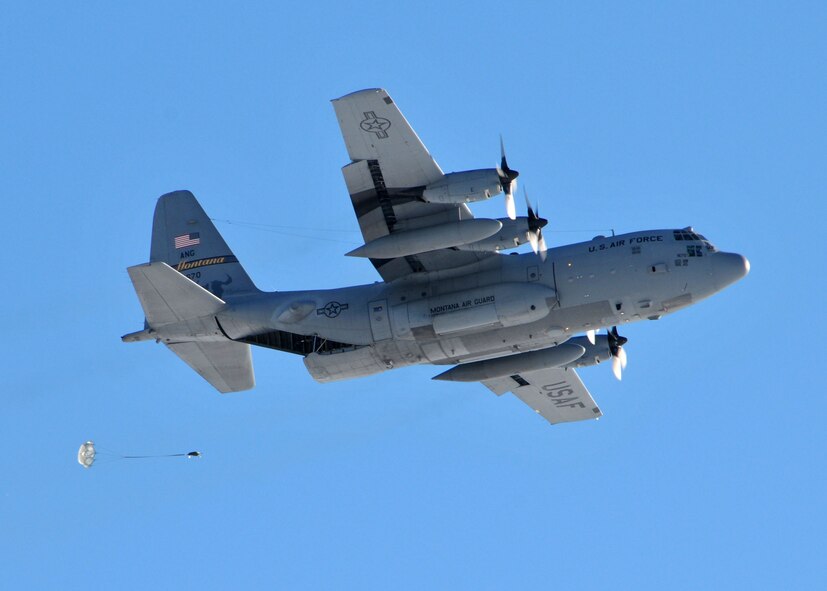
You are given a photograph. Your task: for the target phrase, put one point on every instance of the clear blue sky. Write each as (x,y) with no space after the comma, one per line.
(707,470)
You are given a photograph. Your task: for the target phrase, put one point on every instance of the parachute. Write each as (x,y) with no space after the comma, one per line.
(88,453)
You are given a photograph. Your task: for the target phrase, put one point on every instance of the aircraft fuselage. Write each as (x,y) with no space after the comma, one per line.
(501,305)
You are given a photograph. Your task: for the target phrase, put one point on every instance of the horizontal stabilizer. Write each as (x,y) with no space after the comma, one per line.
(167,296)
(227,365)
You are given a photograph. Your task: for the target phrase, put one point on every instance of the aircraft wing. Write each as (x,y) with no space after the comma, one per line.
(389,168)
(558,395)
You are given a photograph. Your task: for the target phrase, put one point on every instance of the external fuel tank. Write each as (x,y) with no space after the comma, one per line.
(493,306)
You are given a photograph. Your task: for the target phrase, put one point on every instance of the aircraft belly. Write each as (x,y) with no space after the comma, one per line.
(362,361)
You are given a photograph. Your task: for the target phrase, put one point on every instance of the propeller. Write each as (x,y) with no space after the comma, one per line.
(535,229)
(508,179)
(616,343)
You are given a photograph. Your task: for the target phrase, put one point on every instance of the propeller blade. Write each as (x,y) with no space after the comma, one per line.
(535,244)
(508,179)
(535,228)
(590,336)
(510,206)
(616,368)
(503,168)
(621,354)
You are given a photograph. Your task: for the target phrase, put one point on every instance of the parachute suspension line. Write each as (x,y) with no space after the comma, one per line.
(100,450)
(192,454)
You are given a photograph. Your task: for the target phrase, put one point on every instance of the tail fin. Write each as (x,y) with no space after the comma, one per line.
(184,238)
(190,275)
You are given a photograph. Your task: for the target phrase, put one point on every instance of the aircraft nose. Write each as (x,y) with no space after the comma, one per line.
(729,268)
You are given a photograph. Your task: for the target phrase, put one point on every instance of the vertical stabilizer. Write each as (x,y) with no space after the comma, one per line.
(184,238)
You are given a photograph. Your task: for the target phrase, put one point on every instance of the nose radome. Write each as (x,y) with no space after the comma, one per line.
(730,267)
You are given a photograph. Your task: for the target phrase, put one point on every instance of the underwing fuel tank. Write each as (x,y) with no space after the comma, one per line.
(407,242)
(513,364)
(493,306)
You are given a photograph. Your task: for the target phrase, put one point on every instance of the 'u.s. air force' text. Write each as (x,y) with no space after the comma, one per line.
(630,242)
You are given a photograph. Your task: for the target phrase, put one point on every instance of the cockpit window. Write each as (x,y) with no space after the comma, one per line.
(709,246)
(686,235)
(689,235)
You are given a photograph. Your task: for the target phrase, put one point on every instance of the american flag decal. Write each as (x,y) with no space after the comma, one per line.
(187,240)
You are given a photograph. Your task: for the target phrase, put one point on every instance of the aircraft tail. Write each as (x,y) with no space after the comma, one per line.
(184,238)
(189,277)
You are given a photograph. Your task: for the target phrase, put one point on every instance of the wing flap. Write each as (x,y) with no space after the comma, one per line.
(558,395)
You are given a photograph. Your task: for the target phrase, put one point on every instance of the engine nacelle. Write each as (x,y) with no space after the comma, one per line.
(464,187)
(597,353)
(513,234)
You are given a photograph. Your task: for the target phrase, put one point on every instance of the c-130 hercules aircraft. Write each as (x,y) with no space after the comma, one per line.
(520,323)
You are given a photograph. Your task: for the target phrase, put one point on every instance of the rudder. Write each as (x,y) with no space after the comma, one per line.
(184,237)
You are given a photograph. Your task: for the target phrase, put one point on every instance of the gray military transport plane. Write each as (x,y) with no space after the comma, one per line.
(521,323)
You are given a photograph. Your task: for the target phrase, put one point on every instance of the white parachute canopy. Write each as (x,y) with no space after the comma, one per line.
(86,454)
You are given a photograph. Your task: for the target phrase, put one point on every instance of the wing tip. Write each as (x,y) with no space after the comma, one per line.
(364,91)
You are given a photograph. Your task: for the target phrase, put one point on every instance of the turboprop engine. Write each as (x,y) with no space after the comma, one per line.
(476,185)
(599,348)
(494,306)
(512,234)
(593,353)
(464,187)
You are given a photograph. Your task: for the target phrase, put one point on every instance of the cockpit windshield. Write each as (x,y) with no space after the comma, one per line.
(689,234)
(709,246)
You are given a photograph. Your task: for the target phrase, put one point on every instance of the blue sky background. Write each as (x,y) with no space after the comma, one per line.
(708,467)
